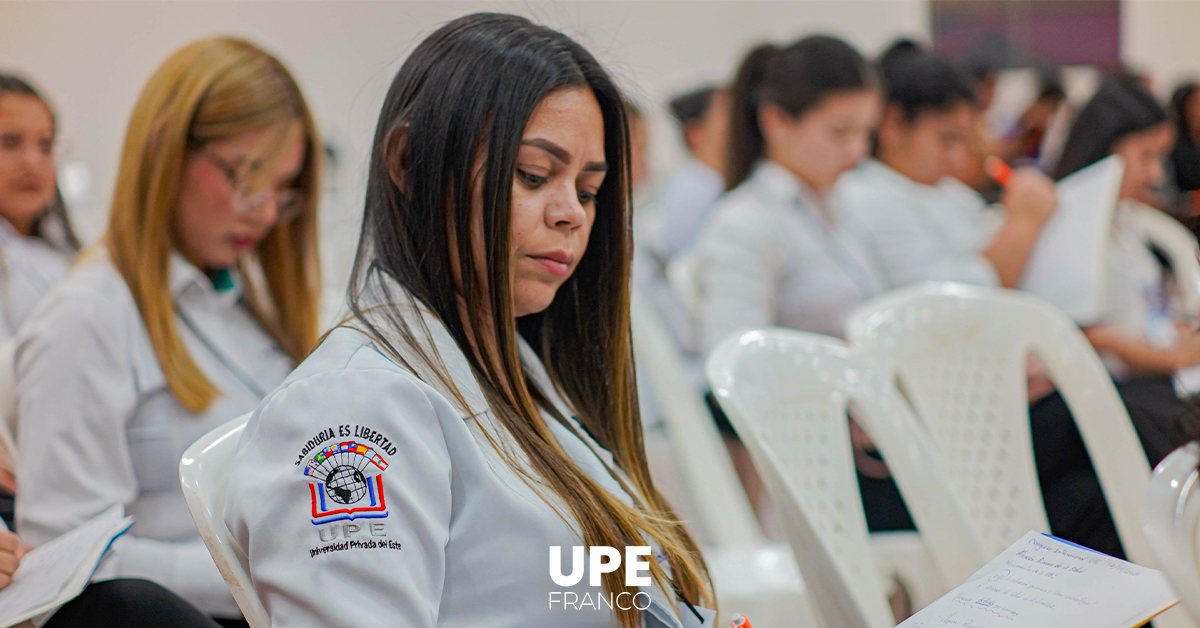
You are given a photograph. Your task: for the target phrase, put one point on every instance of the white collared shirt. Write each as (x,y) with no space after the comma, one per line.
(29,268)
(437,529)
(99,425)
(772,255)
(920,232)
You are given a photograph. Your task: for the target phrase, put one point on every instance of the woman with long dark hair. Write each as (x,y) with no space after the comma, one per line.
(478,408)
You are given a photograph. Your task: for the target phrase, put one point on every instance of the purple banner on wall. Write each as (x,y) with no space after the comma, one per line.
(1017,33)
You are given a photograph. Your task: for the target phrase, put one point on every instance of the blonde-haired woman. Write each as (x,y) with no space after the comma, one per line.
(201,297)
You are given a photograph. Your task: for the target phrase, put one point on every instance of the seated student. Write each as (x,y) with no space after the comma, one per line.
(685,201)
(922,224)
(201,297)
(680,208)
(478,407)
(36,242)
(1140,341)
(779,249)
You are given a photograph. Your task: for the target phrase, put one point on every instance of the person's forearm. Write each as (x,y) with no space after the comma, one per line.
(1010,249)
(1139,355)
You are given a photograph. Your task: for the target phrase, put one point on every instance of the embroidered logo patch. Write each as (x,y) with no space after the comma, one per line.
(345,481)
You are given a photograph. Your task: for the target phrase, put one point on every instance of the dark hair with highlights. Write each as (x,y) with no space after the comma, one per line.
(450,130)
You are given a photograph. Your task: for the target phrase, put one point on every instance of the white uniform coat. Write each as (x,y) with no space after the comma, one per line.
(433,529)
(773,256)
(99,426)
(921,232)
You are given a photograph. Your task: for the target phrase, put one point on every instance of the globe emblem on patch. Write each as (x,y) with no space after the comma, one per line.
(345,485)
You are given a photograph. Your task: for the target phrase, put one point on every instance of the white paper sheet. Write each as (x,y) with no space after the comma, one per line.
(1045,582)
(1068,264)
(56,572)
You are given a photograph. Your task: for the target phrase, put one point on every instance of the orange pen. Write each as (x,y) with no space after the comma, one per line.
(998,170)
(740,621)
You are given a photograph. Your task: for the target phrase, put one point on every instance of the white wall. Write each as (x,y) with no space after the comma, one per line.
(1162,37)
(91,59)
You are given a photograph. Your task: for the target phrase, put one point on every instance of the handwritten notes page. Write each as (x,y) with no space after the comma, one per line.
(1042,581)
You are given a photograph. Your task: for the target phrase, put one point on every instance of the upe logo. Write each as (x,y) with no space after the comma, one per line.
(601,559)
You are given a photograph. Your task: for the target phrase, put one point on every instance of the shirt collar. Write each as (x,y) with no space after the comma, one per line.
(183,275)
(782,184)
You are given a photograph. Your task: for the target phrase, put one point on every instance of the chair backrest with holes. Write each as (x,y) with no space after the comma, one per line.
(204,476)
(1171,515)
(959,355)
(787,393)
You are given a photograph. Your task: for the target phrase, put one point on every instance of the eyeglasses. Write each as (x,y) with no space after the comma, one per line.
(289,203)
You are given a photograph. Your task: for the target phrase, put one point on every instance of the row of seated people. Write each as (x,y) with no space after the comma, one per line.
(820,181)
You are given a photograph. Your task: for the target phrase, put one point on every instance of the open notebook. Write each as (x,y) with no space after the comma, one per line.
(1069,263)
(55,573)
(1044,582)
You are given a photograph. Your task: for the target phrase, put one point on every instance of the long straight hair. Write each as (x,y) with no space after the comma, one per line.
(495,69)
(1120,107)
(210,90)
(53,224)
(1185,156)
(797,79)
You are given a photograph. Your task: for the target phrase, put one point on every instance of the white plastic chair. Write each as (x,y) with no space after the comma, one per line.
(204,476)
(787,393)
(751,575)
(959,354)
(1172,514)
(1180,247)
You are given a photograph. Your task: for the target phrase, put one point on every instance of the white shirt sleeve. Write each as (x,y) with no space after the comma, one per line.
(907,247)
(302,574)
(74,395)
(738,275)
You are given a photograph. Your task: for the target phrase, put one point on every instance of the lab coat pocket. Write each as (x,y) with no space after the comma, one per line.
(154,464)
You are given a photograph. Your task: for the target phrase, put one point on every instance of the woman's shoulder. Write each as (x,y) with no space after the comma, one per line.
(93,295)
(742,211)
(348,367)
(349,388)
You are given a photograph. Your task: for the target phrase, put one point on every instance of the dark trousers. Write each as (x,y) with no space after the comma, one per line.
(1074,500)
(130,603)
(1075,505)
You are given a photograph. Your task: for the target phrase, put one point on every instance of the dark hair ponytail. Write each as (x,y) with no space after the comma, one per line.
(796,79)
(1119,108)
